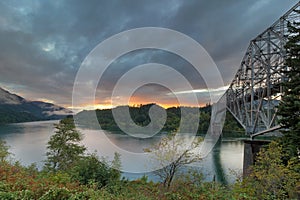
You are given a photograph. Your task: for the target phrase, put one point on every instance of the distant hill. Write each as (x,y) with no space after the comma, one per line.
(14,108)
(140,116)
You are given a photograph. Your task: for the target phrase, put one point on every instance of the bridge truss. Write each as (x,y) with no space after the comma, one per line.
(255,90)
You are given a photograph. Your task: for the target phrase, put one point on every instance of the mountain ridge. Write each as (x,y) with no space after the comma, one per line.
(14,108)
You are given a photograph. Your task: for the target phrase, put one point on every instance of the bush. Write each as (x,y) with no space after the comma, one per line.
(90,169)
(269,177)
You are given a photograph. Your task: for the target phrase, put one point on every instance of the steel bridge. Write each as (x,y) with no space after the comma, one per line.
(255,91)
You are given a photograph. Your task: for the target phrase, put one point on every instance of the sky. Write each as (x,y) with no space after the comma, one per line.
(43,43)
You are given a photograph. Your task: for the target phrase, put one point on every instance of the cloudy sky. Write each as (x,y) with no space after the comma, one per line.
(43,43)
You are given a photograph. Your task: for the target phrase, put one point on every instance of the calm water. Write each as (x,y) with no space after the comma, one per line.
(28,141)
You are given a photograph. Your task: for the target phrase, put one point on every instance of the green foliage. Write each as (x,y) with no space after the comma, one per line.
(269,177)
(18,195)
(90,169)
(10,115)
(141,117)
(18,181)
(204,121)
(65,157)
(63,147)
(232,127)
(4,153)
(173,153)
(89,177)
(56,193)
(289,107)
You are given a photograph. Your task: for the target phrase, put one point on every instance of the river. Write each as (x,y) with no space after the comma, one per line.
(28,142)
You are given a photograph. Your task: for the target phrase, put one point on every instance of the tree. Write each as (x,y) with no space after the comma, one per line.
(63,147)
(90,169)
(4,153)
(172,154)
(270,178)
(289,107)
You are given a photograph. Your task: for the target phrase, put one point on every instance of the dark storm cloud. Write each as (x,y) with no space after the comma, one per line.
(44,42)
(225,28)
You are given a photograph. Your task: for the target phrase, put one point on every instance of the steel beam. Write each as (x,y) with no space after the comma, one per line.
(255,91)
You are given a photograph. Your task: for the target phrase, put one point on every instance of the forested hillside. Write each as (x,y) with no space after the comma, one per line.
(14,108)
(140,116)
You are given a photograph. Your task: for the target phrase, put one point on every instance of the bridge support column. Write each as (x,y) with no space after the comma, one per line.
(251,148)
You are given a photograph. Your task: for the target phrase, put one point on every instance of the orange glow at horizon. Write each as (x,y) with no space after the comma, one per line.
(165,103)
(136,102)
(146,94)
(133,104)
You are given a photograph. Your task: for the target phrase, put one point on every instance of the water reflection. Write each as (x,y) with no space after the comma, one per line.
(28,141)
(28,144)
(132,144)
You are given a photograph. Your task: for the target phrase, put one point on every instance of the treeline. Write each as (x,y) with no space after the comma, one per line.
(140,117)
(27,112)
(71,173)
(11,116)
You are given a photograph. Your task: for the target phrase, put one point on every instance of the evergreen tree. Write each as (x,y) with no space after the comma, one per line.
(4,153)
(92,169)
(63,147)
(289,107)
